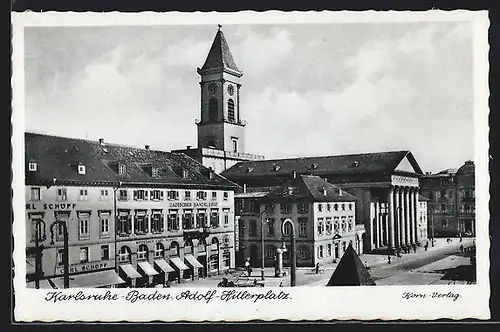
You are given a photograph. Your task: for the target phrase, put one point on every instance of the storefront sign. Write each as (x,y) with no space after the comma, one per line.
(193,204)
(148,241)
(51,206)
(87,267)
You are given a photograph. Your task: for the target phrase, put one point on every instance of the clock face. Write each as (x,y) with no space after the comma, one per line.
(230,90)
(212,88)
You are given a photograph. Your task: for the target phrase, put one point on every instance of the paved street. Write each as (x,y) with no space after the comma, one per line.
(421,268)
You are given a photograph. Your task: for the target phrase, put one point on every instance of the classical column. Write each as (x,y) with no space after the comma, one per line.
(412,216)
(408,224)
(397,217)
(415,214)
(401,217)
(377,224)
(390,221)
(386,220)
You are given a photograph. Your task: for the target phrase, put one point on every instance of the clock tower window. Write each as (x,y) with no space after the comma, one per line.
(230,110)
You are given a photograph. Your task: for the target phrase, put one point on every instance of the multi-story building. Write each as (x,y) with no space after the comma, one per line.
(422,226)
(451,206)
(386,185)
(221,128)
(323,217)
(133,216)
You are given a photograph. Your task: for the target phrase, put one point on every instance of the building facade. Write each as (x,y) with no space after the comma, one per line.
(323,217)
(386,185)
(134,217)
(221,128)
(423,225)
(451,206)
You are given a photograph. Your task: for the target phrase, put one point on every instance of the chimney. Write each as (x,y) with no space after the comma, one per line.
(324,191)
(340,192)
(244,188)
(188,147)
(146,147)
(290,191)
(294,174)
(101,141)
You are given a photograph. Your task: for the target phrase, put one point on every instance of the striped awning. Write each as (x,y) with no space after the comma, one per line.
(164,266)
(178,263)
(147,268)
(130,271)
(91,280)
(191,260)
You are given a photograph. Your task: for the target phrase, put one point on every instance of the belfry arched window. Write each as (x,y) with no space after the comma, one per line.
(212,109)
(230,110)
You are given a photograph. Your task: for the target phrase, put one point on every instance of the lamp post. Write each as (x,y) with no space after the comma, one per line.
(263,213)
(66,248)
(40,236)
(292,248)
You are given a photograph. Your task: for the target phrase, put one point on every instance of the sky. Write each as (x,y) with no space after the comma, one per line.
(307,89)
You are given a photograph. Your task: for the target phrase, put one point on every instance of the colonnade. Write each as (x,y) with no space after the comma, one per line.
(395,222)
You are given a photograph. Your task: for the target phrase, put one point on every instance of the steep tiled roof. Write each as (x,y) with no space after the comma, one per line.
(309,187)
(351,271)
(219,56)
(341,164)
(58,157)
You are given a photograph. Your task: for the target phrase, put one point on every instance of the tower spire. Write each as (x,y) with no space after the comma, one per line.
(220,56)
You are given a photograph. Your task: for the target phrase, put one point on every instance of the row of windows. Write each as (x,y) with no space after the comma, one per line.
(328,207)
(271,227)
(190,220)
(141,194)
(325,225)
(326,251)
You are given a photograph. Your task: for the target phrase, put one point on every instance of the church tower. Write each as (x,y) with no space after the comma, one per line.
(220,125)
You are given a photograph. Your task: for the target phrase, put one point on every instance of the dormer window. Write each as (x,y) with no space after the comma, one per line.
(314,166)
(276,168)
(155,172)
(355,164)
(32,166)
(81,169)
(185,174)
(249,169)
(122,169)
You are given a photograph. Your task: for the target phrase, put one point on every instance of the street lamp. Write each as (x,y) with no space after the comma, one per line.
(292,248)
(66,248)
(262,242)
(40,236)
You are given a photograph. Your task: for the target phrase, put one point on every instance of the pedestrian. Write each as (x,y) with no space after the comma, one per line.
(388,258)
(317,268)
(426,246)
(367,266)
(248,267)
(461,248)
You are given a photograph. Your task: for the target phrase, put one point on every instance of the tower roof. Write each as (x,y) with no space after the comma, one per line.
(351,271)
(219,56)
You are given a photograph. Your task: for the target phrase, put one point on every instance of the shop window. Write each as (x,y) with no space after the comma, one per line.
(84,255)
(124,255)
(159,250)
(188,247)
(142,253)
(105,252)
(174,249)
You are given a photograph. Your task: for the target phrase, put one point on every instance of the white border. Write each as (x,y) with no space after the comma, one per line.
(366,303)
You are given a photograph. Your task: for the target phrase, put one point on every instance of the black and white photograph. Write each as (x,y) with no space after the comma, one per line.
(229,154)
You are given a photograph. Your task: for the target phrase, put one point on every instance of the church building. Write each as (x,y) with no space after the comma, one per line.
(221,141)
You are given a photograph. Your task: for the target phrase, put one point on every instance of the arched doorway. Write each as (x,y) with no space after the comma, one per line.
(173,252)
(213,262)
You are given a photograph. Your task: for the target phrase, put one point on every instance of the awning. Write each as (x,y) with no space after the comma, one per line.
(193,261)
(178,263)
(130,271)
(163,265)
(91,280)
(147,268)
(44,284)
